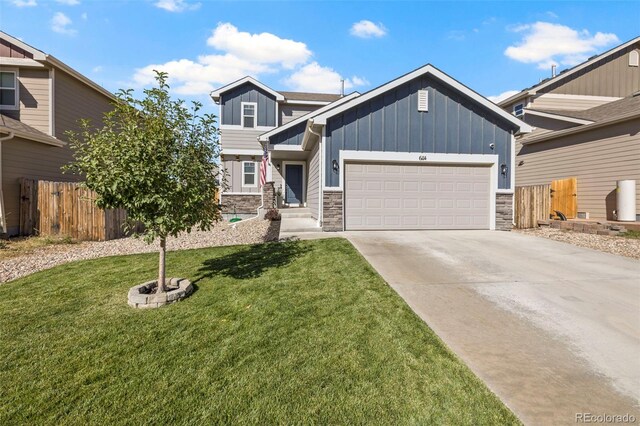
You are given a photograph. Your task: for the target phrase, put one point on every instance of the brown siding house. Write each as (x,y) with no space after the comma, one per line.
(586,125)
(50,98)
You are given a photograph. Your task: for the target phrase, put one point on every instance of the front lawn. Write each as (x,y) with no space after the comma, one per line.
(284,333)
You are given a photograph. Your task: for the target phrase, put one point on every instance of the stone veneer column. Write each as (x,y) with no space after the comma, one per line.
(504,212)
(332,213)
(269,195)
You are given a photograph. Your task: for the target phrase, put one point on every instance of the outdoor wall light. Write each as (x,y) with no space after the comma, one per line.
(503,169)
(278,166)
(492,145)
(521,163)
(334,165)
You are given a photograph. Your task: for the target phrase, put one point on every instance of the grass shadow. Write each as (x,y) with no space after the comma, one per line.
(252,261)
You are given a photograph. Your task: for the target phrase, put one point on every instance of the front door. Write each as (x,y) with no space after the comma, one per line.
(293,183)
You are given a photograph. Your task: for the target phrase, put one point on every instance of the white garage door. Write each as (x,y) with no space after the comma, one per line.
(394,196)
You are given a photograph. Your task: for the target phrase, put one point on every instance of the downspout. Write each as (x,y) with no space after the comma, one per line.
(3,223)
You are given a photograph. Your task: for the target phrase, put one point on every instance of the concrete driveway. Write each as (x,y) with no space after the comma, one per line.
(553,329)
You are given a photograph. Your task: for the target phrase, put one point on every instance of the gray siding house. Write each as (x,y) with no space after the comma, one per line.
(420,152)
(248,109)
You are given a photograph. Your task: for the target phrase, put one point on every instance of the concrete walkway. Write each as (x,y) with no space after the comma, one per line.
(553,329)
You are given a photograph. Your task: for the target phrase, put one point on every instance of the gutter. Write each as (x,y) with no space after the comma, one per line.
(45,139)
(581,129)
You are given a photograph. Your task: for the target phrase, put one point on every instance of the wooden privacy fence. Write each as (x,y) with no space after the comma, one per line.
(564,197)
(66,208)
(531,203)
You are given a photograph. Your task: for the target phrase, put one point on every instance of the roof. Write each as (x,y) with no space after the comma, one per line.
(18,128)
(306,96)
(215,95)
(566,73)
(439,75)
(40,56)
(603,115)
(602,112)
(301,97)
(265,136)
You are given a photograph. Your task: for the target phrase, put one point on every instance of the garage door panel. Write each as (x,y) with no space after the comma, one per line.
(391,196)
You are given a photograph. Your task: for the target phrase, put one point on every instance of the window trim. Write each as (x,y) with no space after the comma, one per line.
(634,58)
(515,107)
(255,174)
(255,114)
(16,104)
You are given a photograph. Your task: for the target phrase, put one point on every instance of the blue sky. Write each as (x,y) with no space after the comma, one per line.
(492,47)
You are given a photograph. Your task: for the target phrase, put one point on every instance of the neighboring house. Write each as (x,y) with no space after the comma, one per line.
(248,109)
(586,124)
(40,99)
(420,152)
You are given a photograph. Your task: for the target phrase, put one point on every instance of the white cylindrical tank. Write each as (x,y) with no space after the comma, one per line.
(626,200)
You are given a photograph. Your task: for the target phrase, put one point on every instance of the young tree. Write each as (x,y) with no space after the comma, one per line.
(154,157)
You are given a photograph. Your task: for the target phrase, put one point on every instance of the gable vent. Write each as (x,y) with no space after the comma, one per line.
(423,100)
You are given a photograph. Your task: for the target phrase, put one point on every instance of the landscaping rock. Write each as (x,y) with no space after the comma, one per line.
(222,234)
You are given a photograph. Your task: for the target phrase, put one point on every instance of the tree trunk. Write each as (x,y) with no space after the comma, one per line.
(161,269)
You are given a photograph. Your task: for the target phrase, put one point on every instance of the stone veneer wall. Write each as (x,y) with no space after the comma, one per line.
(332,211)
(243,204)
(504,212)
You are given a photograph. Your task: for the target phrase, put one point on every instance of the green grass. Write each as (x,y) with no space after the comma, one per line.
(630,234)
(289,333)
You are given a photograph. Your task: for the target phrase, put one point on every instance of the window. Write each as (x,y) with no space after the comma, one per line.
(518,110)
(249,114)
(8,90)
(634,58)
(249,173)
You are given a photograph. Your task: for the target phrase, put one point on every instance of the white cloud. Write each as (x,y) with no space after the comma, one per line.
(60,23)
(97,69)
(545,43)
(199,77)
(316,78)
(241,54)
(25,3)
(69,2)
(176,5)
(84,16)
(502,96)
(264,48)
(368,29)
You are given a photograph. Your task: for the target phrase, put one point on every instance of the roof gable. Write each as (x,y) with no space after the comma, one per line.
(438,75)
(564,75)
(216,94)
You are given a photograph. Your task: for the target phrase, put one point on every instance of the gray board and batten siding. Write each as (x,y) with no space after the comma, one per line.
(391,122)
(290,136)
(231,105)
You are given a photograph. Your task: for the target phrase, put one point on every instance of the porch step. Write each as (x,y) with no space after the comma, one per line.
(298,224)
(296,212)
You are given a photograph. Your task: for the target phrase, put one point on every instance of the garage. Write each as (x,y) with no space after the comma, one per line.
(383,196)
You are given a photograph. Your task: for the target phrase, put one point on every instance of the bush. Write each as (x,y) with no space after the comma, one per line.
(272,214)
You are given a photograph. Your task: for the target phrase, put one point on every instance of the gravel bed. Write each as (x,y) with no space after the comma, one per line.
(628,247)
(222,234)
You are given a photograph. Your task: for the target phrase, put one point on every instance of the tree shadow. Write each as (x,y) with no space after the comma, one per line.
(252,261)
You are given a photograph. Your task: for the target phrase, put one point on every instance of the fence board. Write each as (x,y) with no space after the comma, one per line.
(66,208)
(532,203)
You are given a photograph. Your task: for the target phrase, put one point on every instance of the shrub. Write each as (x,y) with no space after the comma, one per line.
(272,214)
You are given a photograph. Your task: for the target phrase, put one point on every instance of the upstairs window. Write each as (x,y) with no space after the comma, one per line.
(249,174)
(634,58)
(8,90)
(518,110)
(249,114)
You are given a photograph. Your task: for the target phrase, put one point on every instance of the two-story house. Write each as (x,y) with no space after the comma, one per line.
(40,99)
(422,151)
(586,124)
(249,109)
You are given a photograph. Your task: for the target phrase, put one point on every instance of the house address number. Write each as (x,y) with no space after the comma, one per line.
(422,158)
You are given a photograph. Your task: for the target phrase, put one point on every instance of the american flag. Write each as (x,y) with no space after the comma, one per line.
(263,167)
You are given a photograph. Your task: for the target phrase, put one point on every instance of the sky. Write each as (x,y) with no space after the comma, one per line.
(495,48)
